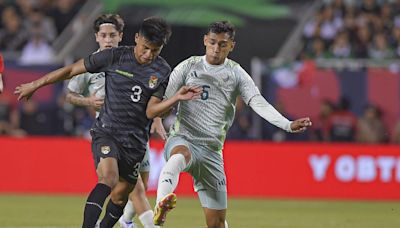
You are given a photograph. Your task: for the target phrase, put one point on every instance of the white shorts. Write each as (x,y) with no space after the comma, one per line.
(207,169)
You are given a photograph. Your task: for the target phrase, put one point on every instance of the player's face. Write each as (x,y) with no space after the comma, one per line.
(108,36)
(145,51)
(218,47)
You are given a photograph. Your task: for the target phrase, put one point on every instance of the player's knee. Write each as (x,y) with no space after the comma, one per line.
(119,199)
(110,179)
(183,150)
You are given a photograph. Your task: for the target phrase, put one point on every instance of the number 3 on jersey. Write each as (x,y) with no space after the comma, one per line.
(137,91)
(204,95)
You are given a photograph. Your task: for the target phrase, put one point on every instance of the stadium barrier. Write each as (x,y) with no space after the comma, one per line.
(254,169)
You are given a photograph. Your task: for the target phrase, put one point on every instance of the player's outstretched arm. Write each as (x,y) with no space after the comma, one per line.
(27,90)
(156,107)
(270,114)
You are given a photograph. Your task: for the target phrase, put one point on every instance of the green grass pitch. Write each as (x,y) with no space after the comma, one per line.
(33,211)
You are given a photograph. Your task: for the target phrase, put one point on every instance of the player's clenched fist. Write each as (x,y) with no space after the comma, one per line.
(189,92)
(300,125)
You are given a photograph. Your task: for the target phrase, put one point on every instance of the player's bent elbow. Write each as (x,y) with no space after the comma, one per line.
(150,114)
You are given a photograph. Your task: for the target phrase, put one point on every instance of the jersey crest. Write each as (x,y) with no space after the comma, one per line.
(153,81)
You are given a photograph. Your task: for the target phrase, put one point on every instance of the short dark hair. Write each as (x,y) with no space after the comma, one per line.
(155,30)
(222,27)
(114,19)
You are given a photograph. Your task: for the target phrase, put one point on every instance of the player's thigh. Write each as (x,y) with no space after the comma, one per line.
(208,173)
(211,199)
(105,153)
(129,164)
(107,170)
(119,195)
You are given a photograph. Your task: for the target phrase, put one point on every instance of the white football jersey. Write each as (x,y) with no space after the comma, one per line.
(87,84)
(206,121)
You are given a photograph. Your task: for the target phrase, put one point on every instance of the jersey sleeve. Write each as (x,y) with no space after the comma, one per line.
(247,88)
(78,84)
(99,61)
(177,78)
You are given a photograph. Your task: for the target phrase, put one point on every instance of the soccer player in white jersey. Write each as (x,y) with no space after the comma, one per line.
(197,137)
(88,90)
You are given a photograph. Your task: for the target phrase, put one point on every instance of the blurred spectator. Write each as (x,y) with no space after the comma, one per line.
(319,129)
(363,39)
(396,134)
(330,25)
(317,50)
(13,36)
(38,19)
(370,8)
(30,119)
(8,115)
(342,123)
(1,73)
(37,51)
(341,47)
(370,127)
(63,12)
(358,21)
(396,40)
(24,7)
(379,48)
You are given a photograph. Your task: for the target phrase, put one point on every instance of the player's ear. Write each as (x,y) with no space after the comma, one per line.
(233,45)
(136,38)
(205,39)
(121,34)
(97,37)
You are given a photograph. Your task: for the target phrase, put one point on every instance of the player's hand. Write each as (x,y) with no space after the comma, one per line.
(189,93)
(95,102)
(25,90)
(300,125)
(158,127)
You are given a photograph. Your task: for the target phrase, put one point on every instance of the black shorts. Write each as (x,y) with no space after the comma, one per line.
(129,159)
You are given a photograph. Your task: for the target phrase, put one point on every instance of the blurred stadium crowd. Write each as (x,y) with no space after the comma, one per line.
(340,29)
(353,29)
(30,26)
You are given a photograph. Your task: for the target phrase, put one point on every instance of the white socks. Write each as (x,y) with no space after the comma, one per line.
(226,224)
(169,175)
(146,218)
(129,212)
